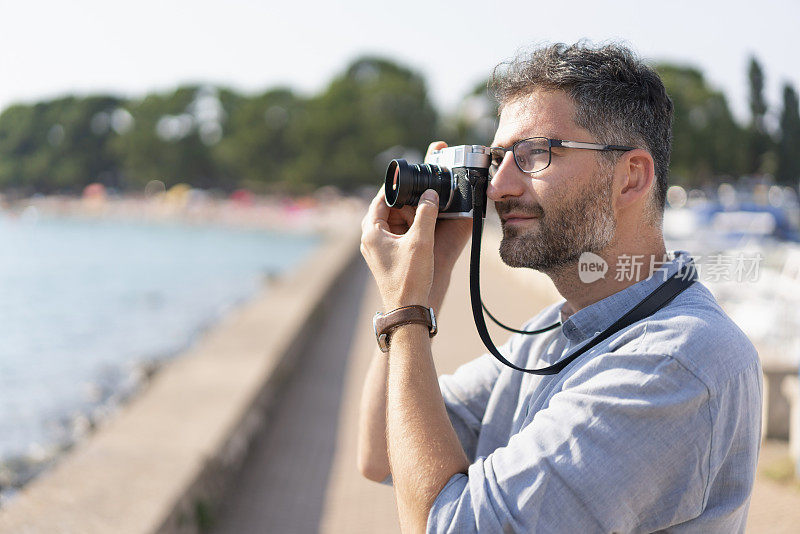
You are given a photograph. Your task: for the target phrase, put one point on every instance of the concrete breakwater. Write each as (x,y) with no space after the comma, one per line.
(163,462)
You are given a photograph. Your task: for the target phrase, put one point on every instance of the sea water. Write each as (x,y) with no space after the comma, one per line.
(89,307)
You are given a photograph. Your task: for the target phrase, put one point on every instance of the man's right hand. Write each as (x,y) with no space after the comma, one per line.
(450,237)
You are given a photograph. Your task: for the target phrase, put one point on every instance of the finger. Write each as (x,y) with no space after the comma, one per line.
(436,145)
(378,211)
(454,226)
(427,211)
(404,215)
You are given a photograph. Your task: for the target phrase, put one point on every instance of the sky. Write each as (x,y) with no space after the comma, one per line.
(50,49)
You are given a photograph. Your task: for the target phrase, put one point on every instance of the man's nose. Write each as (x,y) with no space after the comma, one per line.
(508,181)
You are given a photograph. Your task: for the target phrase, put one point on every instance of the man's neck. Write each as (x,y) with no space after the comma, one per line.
(627,265)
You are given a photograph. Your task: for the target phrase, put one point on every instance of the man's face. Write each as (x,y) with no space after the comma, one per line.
(550,217)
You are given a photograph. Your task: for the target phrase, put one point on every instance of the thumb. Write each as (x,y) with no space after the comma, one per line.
(427,211)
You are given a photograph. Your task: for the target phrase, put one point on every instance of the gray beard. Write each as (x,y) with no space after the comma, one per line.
(584,224)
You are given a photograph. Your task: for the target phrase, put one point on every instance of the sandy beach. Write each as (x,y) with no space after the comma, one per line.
(325,211)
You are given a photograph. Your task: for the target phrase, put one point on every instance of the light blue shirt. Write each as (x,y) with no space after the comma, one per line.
(656,428)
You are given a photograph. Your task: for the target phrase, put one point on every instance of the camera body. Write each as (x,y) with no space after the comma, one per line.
(450,171)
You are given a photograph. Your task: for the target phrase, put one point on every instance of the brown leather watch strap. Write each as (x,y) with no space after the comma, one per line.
(386,322)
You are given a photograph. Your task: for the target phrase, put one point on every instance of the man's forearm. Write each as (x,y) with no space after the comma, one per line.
(373,459)
(424,450)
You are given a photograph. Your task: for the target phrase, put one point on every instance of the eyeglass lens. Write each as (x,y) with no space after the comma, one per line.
(531,155)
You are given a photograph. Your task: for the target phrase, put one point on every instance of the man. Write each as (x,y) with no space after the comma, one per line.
(656,428)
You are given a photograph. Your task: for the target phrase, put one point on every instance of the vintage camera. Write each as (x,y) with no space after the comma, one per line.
(451,172)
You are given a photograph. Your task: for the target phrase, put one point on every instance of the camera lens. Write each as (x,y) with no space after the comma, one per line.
(405,183)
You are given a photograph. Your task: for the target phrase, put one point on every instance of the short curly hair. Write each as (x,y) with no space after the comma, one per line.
(618,98)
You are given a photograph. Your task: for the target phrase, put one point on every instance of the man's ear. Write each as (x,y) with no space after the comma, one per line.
(636,171)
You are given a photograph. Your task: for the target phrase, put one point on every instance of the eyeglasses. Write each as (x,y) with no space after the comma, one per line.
(535,153)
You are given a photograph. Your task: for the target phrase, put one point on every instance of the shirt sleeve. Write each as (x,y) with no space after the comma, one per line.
(616,450)
(466,394)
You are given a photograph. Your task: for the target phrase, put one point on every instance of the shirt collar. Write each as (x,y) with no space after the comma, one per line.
(596,317)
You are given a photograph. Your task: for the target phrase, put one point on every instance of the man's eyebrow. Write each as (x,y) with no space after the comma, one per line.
(507,144)
(515,139)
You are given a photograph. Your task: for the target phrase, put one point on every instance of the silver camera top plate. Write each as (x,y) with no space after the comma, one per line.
(475,156)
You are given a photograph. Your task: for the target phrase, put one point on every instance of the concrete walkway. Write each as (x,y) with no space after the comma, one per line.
(301,475)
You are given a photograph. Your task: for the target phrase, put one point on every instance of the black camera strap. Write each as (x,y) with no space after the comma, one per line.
(660,297)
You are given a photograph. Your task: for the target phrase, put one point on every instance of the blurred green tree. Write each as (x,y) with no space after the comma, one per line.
(256,148)
(375,110)
(758,139)
(59,145)
(788,149)
(171,136)
(707,142)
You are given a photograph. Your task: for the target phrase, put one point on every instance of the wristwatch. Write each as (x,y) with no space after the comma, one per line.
(384,323)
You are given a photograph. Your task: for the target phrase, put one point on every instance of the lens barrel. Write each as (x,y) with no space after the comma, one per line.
(405,183)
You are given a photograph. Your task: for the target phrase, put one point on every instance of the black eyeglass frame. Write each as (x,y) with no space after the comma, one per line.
(558,143)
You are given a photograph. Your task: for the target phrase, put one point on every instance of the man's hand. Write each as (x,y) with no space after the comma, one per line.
(411,255)
(402,263)
(409,252)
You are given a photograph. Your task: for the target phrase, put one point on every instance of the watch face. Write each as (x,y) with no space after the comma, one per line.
(375,323)
(383,343)
(381,338)
(434,328)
